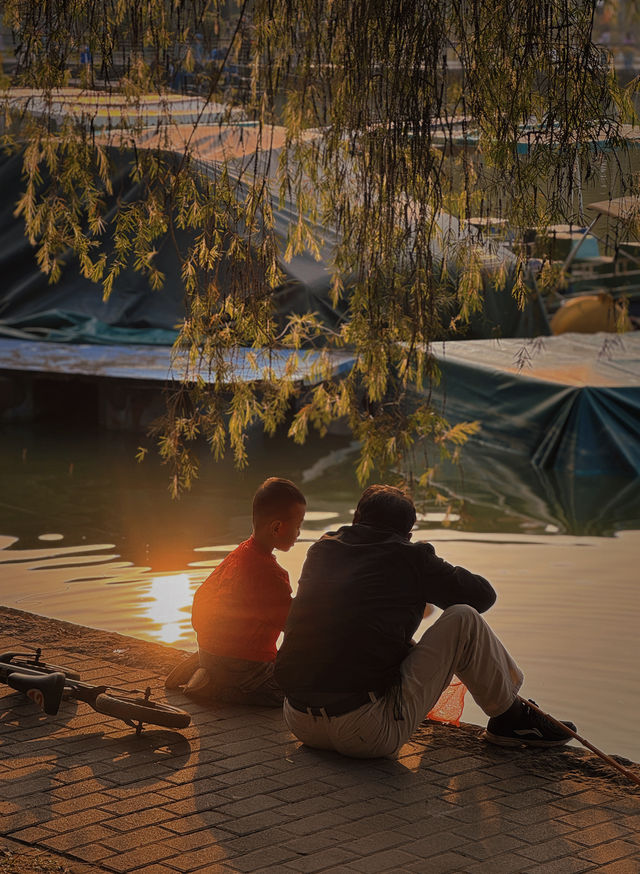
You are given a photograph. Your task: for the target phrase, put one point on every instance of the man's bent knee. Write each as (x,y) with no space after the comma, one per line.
(463,612)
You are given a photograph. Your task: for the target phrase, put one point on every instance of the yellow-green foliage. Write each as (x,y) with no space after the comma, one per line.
(372,96)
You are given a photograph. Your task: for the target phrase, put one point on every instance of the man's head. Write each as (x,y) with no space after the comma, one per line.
(388,508)
(278,510)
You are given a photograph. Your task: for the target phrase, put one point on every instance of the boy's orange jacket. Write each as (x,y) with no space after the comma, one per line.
(241,608)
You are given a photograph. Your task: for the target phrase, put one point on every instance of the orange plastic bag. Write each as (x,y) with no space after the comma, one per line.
(449,706)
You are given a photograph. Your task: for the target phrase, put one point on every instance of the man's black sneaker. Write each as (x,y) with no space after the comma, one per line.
(525,726)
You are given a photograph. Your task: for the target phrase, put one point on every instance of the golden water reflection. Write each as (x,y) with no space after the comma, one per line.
(168,604)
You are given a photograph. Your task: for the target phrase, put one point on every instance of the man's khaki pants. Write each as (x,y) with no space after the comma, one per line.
(459,643)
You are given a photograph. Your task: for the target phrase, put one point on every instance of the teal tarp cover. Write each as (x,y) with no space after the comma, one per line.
(570,402)
(72,310)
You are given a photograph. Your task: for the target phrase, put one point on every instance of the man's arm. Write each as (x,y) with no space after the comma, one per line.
(448,584)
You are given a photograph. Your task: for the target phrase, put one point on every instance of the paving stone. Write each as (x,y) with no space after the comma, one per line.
(389,860)
(325,860)
(316,822)
(496,845)
(76,775)
(457,765)
(548,850)
(537,833)
(72,790)
(159,868)
(255,757)
(372,824)
(623,866)
(268,837)
(22,788)
(91,834)
(474,812)
(435,845)
(589,816)
(23,819)
(150,816)
(527,799)
(138,858)
(93,852)
(624,803)
(32,835)
(246,775)
(524,783)
(541,813)
(256,822)
(610,851)
(566,786)
(194,822)
(506,864)
(504,770)
(308,844)
(459,782)
(139,787)
(82,802)
(307,807)
(7,807)
(285,869)
(598,834)
(562,866)
(588,798)
(121,842)
(253,804)
(130,805)
(26,773)
(196,840)
(196,859)
(265,857)
(479,830)
(304,791)
(362,809)
(446,863)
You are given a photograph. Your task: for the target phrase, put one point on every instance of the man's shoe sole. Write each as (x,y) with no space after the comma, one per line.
(502,741)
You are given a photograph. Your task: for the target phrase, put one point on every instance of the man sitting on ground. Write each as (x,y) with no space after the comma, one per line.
(241,608)
(354,681)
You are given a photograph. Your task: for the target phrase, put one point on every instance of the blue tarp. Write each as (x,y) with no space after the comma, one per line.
(73,310)
(158,364)
(570,402)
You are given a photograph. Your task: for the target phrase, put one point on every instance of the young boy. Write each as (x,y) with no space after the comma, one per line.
(241,608)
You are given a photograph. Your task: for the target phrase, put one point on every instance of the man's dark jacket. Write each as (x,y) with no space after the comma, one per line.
(361,597)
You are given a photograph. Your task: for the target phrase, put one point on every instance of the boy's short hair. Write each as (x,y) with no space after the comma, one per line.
(386,507)
(275,498)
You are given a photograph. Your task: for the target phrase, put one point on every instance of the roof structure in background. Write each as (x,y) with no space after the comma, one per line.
(625,208)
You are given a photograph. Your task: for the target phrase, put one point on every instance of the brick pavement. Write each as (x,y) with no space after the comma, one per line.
(236,793)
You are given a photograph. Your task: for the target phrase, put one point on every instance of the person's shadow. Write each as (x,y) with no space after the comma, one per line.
(63,766)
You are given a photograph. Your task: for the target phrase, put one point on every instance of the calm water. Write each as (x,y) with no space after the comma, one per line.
(90,536)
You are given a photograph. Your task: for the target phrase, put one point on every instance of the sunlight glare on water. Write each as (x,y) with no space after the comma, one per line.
(167,603)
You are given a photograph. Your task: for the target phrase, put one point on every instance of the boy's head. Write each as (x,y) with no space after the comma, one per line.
(388,508)
(278,510)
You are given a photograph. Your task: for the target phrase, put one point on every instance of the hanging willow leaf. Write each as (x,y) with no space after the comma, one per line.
(383,126)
